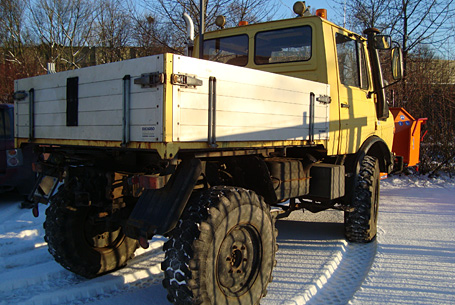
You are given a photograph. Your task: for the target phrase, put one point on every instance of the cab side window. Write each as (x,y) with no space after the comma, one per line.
(351,62)
(364,84)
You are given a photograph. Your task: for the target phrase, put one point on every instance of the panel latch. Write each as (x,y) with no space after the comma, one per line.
(149,80)
(185,80)
(324,99)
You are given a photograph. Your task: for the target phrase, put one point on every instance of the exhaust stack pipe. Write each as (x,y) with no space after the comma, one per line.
(190,34)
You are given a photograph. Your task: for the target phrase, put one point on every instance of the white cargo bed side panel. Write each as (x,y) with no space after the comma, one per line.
(251,105)
(100,103)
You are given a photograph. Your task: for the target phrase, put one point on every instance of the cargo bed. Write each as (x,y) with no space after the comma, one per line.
(170,102)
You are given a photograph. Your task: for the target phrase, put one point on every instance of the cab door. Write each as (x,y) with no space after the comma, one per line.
(355,100)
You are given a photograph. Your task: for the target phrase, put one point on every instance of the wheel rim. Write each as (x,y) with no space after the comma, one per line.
(238,261)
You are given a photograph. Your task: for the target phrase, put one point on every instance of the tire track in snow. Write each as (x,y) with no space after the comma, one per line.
(316,265)
(49,283)
(29,274)
(21,237)
(341,277)
(33,277)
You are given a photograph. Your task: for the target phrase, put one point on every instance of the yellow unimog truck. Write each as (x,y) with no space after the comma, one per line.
(275,117)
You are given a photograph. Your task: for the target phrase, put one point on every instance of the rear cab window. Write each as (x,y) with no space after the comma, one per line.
(283,45)
(229,50)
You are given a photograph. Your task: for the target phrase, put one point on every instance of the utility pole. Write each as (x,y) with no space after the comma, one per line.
(201,28)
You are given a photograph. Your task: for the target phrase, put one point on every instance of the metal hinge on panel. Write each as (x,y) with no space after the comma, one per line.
(149,80)
(324,99)
(185,80)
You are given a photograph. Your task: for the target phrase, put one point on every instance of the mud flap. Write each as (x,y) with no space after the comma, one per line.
(43,189)
(157,211)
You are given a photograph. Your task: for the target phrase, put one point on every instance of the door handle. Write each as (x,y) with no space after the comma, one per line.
(344,105)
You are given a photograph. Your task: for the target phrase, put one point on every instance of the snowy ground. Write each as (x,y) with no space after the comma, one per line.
(411,262)
(415,260)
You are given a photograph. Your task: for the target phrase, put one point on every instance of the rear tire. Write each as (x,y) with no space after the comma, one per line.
(222,251)
(81,241)
(360,224)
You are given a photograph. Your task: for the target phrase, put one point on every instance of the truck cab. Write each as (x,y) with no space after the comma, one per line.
(313,48)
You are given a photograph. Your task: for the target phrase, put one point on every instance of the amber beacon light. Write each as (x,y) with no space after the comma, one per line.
(322,12)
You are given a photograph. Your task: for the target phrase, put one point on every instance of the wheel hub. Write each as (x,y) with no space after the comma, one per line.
(239,259)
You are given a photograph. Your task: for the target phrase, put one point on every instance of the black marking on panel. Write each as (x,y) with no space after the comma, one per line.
(72,101)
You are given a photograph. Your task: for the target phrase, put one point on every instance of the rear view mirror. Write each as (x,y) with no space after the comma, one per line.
(382,42)
(397,63)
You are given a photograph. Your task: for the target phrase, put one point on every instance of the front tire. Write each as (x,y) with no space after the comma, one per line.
(81,241)
(222,251)
(361,222)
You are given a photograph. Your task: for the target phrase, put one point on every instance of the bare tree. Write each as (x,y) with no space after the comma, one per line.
(431,93)
(365,14)
(62,28)
(112,30)
(411,22)
(170,12)
(252,11)
(16,59)
(151,36)
(11,29)
(417,22)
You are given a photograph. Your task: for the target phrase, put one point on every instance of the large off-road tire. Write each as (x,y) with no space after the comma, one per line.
(80,241)
(360,223)
(222,251)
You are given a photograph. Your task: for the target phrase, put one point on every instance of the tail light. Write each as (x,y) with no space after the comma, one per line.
(150,182)
(13,157)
